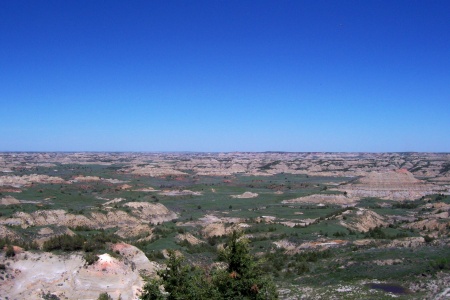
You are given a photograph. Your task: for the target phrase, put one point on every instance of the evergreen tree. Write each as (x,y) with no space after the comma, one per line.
(180,281)
(242,279)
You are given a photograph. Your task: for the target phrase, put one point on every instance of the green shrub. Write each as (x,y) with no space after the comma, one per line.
(10,251)
(65,243)
(104,296)
(428,239)
(90,258)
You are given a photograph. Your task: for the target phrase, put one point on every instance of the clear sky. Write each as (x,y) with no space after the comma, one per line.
(310,75)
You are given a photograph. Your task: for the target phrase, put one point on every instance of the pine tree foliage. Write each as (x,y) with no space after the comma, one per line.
(242,279)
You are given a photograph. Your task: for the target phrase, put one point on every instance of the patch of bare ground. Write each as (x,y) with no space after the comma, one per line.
(30,275)
(115,200)
(273,220)
(365,242)
(266,219)
(408,242)
(434,226)
(387,262)
(5,232)
(147,189)
(325,198)
(125,187)
(214,229)
(133,231)
(9,200)
(213,226)
(288,246)
(293,224)
(189,238)
(180,193)
(363,220)
(245,195)
(320,244)
(83,178)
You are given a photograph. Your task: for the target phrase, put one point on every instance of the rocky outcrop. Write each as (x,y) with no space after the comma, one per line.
(363,220)
(136,258)
(189,238)
(153,213)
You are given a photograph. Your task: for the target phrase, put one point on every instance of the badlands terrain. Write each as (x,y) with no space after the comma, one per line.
(324,225)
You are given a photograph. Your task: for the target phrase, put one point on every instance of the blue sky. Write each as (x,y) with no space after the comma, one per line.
(225,75)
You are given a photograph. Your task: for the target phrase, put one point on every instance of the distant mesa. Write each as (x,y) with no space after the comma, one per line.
(390,185)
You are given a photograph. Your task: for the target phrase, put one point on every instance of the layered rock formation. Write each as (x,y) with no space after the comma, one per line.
(390,185)
(143,213)
(153,213)
(363,220)
(19,181)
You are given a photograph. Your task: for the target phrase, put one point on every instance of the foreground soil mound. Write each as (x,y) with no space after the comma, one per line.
(33,275)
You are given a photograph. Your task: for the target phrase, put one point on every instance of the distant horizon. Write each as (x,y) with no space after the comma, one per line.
(214,76)
(268,151)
